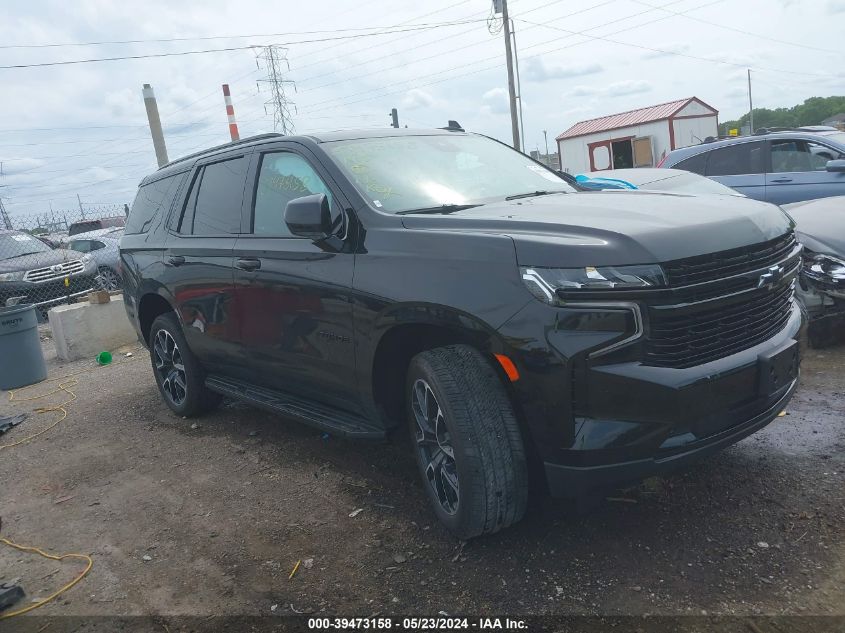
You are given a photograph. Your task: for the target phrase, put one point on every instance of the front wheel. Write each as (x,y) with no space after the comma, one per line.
(109,279)
(179,376)
(467,441)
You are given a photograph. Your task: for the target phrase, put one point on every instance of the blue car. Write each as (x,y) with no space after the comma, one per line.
(778,166)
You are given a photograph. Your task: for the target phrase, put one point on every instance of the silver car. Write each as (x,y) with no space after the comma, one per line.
(102,245)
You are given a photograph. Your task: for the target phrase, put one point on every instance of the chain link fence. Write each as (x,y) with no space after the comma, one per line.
(56,257)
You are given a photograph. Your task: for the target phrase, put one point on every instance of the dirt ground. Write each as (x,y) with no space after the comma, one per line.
(211,517)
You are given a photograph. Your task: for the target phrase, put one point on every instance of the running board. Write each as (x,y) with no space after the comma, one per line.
(324,417)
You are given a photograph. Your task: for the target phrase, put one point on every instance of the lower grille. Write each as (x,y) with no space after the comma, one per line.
(686,337)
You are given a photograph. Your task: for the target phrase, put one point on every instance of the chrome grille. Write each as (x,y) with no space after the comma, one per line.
(57,271)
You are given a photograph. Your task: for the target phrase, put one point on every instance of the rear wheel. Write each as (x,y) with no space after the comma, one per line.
(179,376)
(466,440)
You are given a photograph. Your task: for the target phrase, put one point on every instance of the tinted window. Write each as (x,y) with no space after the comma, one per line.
(695,164)
(283,177)
(216,207)
(153,200)
(790,155)
(742,158)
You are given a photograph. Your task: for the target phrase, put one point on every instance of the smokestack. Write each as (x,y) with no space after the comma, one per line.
(155,125)
(230,112)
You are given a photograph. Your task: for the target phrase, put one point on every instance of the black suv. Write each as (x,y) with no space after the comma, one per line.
(362,280)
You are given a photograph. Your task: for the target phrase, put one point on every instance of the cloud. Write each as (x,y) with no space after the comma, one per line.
(415,99)
(616,89)
(495,101)
(20,166)
(835,6)
(535,69)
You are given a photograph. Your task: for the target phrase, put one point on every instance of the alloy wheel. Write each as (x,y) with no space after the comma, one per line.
(434,445)
(109,279)
(170,367)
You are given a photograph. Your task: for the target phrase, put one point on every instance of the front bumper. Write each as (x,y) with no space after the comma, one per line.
(46,294)
(597,425)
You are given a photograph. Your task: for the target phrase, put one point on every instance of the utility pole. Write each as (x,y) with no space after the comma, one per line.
(394,115)
(750,105)
(518,86)
(81,210)
(155,125)
(511,84)
(546,139)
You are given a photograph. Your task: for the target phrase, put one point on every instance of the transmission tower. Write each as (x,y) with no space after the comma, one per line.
(274,59)
(4,216)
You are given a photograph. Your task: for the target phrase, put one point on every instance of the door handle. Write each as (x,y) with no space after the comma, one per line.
(248,263)
(782,180)
(176,260)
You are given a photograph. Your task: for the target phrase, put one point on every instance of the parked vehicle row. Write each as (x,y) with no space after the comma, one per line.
(779,167)
(363,280)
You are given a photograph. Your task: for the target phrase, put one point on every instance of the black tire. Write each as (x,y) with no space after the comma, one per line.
(481,429)
(195,397)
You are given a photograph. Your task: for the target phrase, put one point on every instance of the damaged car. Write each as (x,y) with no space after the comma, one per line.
(821,229)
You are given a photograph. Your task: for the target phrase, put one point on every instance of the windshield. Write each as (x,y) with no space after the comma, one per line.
(403,173)
(839,137)
(17,244)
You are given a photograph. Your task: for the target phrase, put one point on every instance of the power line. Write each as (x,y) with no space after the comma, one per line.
(677,53)
(736,30)
(220,50)
(330,103)
(219,37)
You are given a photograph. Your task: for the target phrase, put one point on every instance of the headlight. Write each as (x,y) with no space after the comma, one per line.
(86,258)
(826,268)
(544,283)
(15,276)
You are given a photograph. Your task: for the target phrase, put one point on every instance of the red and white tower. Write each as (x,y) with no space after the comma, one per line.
(230,112)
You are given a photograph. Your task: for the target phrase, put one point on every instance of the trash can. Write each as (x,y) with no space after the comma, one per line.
(21,360)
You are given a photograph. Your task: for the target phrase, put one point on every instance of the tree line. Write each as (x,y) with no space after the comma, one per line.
(812,112)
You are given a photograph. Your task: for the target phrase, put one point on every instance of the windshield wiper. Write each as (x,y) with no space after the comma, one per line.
(443,209)
(532,194)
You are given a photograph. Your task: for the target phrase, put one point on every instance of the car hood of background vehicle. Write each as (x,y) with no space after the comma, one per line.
(820,224)
(38,260)
(604,228)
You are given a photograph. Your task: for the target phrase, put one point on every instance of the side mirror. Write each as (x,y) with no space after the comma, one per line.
(309,216)
(837,165)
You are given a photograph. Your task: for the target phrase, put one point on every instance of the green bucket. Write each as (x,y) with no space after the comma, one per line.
(103,358)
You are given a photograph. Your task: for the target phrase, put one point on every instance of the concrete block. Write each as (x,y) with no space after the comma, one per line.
(83,330)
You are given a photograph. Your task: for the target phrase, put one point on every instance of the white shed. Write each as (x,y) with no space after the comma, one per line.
(638,138)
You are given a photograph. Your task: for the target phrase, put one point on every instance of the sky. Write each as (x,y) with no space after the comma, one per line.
(81,130)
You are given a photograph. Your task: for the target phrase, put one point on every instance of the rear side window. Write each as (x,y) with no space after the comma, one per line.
(733,160)
(153,200)
(696,164)
(214,206)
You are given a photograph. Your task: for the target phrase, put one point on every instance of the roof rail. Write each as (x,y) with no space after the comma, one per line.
(248,139)
(796,128)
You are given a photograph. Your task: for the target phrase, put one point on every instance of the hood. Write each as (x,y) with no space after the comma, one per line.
(820,224)
(38,260)
(605,228)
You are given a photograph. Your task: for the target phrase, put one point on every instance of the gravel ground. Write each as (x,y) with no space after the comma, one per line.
(210,518)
